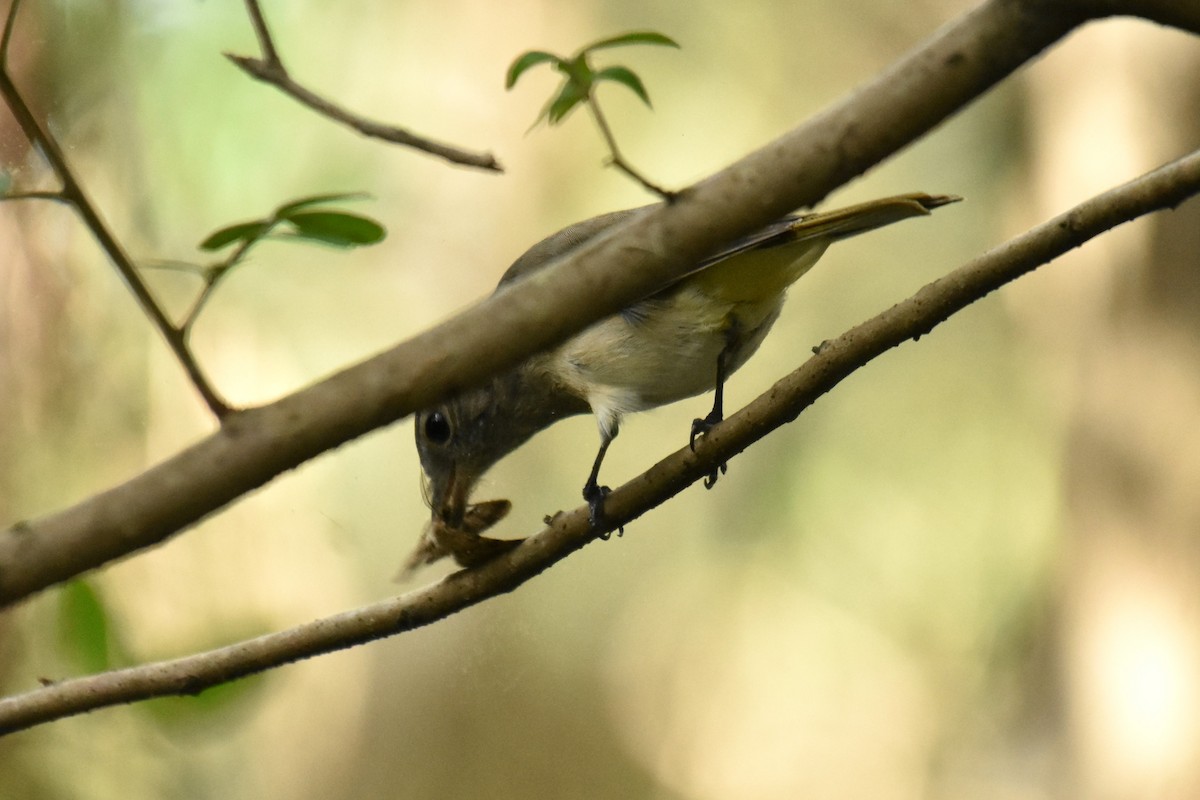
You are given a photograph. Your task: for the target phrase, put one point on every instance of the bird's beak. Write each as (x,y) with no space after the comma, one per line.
(449,499)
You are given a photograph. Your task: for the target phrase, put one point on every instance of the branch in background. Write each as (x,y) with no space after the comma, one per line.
(57,197)
(72,193)
(619,161)
(269,69)
(568,532)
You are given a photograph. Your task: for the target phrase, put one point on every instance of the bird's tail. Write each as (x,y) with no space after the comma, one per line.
(852,220)
(761,266)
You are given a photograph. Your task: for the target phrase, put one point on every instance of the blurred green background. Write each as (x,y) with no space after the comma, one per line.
(970,571)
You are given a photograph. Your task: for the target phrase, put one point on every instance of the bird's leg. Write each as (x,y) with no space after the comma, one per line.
(703,426)
(594,493)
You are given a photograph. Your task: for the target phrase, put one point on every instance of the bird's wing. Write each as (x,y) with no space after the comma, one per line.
(563,242)
(792,229)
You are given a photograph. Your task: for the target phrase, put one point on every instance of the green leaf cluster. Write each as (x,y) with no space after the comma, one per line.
(579,79)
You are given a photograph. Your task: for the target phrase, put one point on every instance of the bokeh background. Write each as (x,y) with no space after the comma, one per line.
(973,570)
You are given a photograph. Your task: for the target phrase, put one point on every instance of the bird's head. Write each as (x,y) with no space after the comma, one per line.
(459,440)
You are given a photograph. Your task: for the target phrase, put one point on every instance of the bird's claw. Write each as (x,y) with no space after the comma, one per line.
(597,519)
(700,427)
(710,480)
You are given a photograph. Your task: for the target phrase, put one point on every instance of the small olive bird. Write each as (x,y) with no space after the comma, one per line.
(681,341)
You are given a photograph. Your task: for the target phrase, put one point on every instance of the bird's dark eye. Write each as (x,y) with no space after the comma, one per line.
(437,428)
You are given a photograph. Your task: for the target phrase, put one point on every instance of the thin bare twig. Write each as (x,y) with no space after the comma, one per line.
(618,160)
(212,276)
(72,192)
(568,532)
(265,43)
(270,69)
(6,38)
(54,196)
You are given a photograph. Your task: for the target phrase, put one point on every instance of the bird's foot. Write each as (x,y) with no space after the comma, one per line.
(595,494)
(701,427)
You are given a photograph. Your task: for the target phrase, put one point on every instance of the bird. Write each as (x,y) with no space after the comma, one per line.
(683,340)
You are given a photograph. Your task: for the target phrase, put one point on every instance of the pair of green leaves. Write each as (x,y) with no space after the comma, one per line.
(306,219)
(579,78)
(309,219)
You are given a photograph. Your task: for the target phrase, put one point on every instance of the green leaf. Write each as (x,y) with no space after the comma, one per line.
(526,60)
(636,37)
(242,231)
(336,228)
(83,627)
(578,72)
(625,77)
(570,96)
(286,210)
